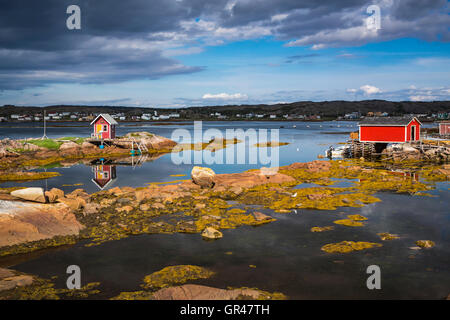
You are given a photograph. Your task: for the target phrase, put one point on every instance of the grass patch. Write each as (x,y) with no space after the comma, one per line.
(46,143)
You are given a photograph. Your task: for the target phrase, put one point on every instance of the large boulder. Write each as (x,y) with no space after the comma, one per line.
(54,194)
(203,177)
(26,221)
(31,194)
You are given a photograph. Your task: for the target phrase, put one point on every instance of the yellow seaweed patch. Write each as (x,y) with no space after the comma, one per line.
(425,243)
(270,144)
(24,176)
(387,236)
(177,175)
(349,246)
(349,223)
(43,289)
(321,229)
(235,210)
(175,275)
(356,217)
(136,295)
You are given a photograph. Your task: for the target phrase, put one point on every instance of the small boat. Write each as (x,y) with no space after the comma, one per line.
(294,126)
(339,152)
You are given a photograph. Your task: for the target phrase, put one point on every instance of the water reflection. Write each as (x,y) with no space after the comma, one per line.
(104,170)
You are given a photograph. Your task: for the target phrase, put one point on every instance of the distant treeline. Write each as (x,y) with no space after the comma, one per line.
(330,109)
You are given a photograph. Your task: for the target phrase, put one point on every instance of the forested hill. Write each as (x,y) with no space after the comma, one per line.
(324,108)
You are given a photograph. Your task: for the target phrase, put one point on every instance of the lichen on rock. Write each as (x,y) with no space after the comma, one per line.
(173,275)
(349,246)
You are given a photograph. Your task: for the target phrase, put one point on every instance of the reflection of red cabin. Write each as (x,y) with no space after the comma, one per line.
(389,130)
(104,175)
(104,127)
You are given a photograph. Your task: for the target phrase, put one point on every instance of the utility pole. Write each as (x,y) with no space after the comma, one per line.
(45,128)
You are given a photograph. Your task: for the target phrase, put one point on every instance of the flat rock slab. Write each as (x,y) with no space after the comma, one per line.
(31,194)
(9,279)
(26,221)
(199,292)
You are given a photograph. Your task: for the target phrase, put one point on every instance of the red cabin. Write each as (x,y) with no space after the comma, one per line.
(104,127)
(444,128)
(389,130)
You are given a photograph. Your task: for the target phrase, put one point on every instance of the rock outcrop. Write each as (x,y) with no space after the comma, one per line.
(22,222)
(199,292)
(31,194)
(10,279)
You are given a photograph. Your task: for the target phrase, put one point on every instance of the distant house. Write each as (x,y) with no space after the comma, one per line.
(389,129)
(444,128)
(104,126)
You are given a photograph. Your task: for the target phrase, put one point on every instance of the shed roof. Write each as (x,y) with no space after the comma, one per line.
(387,121)
(107,118)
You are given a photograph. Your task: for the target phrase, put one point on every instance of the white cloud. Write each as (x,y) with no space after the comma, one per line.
(368,89)
(422,98)
(225,96)
(279,17)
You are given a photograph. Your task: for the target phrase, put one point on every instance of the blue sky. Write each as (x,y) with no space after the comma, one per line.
(196,53)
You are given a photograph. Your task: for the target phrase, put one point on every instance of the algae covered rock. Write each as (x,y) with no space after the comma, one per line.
(211,233)
(261,217)
(349,246)
(349,223)
(322,229)
(203,177)
(425,243)
(387,236)
(172,275)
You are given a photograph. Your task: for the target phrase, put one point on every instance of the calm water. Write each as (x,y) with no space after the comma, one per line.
(307,140)
(286,254)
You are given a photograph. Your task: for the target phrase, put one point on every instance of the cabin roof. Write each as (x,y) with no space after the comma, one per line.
(107,118)
(387,121)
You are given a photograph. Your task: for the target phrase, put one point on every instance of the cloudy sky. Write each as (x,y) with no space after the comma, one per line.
(176,53)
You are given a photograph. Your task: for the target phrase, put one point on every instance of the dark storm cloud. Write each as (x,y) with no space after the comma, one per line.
(131,40)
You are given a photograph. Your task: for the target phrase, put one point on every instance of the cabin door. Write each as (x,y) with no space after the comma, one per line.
(413,133)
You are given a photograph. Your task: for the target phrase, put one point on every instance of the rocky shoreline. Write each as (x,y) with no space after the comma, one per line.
(17,154)
(31,219)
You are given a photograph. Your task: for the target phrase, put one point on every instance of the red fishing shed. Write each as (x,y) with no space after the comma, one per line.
(389,129)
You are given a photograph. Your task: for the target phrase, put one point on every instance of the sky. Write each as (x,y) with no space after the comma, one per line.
(181,53)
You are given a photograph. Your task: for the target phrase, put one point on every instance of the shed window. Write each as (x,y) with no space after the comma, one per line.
(105,128)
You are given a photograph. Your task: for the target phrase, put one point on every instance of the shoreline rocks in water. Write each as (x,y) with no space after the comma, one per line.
(11,279)
(29,152)
(22,222)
